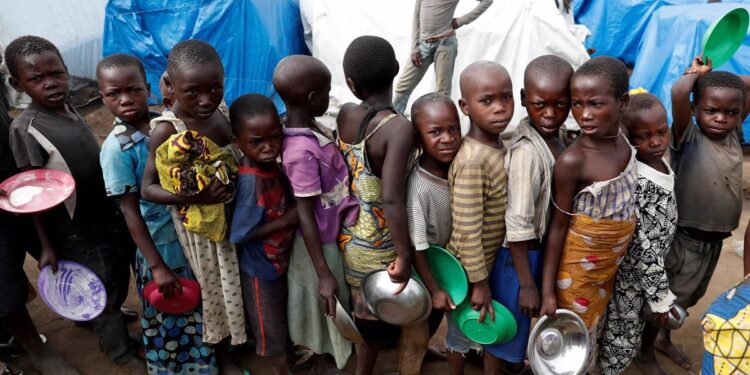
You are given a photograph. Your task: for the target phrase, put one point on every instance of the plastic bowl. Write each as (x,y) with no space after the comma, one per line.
(179,303)
(725,36)
(502,330)
(448,273)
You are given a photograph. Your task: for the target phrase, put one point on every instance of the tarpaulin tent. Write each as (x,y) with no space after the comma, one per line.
(510,32)
(250,36)
(664,53)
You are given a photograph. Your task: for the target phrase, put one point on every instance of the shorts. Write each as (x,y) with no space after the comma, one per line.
(690,264)
(266,305)
(456,341)
(505,288)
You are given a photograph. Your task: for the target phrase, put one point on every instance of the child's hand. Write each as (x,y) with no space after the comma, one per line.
(400,272)
(48,258)
(216,192)
(441,300)
(481,299)
(699,67)
(328,288)
(529,301)
(549,306)
(166,281)
(662,319)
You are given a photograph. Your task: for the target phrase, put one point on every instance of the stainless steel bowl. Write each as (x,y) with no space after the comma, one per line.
(345,325)
(559,346)
(672,323)
(411,306)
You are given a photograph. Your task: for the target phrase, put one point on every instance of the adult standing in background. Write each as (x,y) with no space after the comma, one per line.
(433,41)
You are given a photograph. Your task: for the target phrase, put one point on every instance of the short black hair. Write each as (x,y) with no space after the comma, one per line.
(611,69)
(191,52)
(248,106)
(371,63)
(718,79)
(547,66)
(431,98)
(118,60)
(637,103)
(24,46)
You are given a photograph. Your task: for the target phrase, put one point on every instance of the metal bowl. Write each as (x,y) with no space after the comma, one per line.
(411,306)
(559,346)
(345,325)
(672,323)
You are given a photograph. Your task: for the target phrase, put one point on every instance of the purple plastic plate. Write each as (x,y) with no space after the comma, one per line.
(74,292)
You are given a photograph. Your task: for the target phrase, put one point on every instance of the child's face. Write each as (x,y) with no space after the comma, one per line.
(719,111)
(595,107)
(489,101)
(260,138)
(439,131)
(44,78)
(649,134)
(125,92)
(198,89)
(547,102)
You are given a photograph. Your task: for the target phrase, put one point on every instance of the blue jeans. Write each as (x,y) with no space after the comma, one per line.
(443,54)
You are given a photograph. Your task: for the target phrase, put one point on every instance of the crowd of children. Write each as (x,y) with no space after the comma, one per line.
(288,216)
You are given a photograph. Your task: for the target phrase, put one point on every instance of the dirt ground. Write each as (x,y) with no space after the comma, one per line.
(79,345)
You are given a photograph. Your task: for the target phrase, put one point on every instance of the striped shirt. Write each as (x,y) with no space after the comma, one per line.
(613,199)
(428,209)
(478,183)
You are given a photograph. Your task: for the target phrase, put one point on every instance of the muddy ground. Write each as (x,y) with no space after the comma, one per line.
(79,345)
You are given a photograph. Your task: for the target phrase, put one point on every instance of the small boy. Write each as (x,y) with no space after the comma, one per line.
(87,228)
(428,211)
(478,182)
(707,159)
(530,159)
(263,224)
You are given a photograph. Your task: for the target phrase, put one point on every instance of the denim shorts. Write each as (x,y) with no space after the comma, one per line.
(456,341)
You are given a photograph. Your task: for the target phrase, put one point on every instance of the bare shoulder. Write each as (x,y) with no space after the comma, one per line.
(161,132)
(570,161)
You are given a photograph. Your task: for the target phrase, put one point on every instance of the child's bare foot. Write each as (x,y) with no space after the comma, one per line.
(647,362)
(51,363)
(674,353)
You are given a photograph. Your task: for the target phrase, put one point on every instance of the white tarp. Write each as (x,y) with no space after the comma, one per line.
(511,32)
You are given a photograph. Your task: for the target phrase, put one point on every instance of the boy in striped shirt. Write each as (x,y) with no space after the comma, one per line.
(478,180)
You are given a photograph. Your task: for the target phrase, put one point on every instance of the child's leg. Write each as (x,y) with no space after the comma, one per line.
(647,358)
(412,347)
(376,334)
(457,345)
(492,364)
(366,356)
(266,308)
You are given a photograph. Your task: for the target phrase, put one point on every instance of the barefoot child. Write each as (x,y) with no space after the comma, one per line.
(532,149)
(125,92)
(594,185)
(642,278)
(428,209)
(195,79)
(320,183)
(377,144)
(707,159)
(478,182)
(263,224)
(87,228)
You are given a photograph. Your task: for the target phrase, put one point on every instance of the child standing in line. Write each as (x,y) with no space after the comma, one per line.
(320,183)
(707,159)
(478,182)
(642,278)
(377,144)
(263,225)
(195,79)
(532,150)
(594,197)
(428,211)
(125,92)
(87,228)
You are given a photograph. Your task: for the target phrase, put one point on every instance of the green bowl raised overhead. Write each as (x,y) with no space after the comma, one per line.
(725,36)
(448,273)
(488,332)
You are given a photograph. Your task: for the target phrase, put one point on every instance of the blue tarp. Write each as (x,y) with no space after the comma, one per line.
(617,26)
(672,39)
(251,36)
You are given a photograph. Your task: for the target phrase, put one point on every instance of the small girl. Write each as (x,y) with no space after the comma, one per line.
(642,278)
(195,80)
(594,185)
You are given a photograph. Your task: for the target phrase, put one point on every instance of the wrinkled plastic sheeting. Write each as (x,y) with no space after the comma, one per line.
(510,32)
(673,37)
(251,36)
(617,26)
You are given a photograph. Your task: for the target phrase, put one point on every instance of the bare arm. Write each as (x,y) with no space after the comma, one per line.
(440,299)
(746,108)
(289,219)
(565,180)
(681,107)
(746,254)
